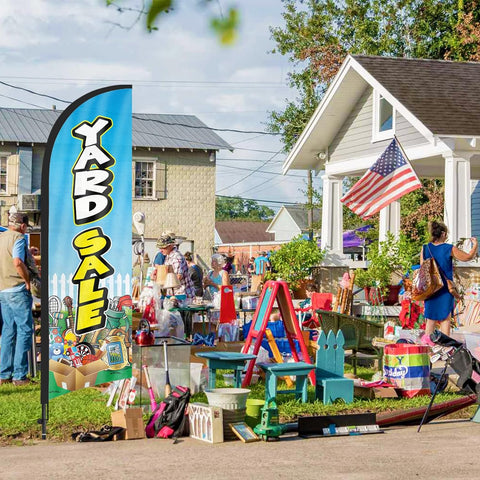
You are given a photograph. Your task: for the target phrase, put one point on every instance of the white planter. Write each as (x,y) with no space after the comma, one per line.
(228,398)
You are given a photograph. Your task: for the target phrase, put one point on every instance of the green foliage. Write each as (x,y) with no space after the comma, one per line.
(154,10)
(236,208)
(386,258)
(225,27)
(294,260)
(318,34)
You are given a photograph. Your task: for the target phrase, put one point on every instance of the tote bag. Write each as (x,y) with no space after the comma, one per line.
(426,280)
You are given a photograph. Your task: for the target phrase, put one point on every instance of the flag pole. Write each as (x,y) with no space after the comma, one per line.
(405,156)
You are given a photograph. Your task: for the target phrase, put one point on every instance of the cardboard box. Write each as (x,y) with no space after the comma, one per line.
(71,378)
(132,420)
(374,392)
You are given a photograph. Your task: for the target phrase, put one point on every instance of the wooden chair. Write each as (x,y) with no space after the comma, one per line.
(330,383)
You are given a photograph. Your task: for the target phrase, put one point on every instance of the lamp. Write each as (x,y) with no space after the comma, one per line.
(162,271)
(322,155)
(171,281)
(139,222)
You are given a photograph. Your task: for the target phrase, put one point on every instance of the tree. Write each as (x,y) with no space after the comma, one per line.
(318,34)
(236,208)
(224,26)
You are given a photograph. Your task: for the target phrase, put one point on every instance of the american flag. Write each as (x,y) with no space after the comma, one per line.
(388,179)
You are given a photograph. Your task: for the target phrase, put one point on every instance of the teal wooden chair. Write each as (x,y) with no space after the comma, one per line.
(330,383)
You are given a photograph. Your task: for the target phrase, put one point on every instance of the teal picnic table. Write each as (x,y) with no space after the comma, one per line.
(225,361)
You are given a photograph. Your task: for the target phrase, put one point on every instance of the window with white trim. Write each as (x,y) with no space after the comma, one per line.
(383,118)
(144,179)
(3,174)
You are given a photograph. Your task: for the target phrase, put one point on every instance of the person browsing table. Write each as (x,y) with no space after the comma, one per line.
(16,301)
(439,307)
(174,258)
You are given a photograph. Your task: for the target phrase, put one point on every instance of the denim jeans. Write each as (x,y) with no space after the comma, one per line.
(17,333)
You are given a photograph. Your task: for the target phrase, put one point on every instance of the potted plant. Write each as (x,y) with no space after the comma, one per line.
(385,260)
(294,261)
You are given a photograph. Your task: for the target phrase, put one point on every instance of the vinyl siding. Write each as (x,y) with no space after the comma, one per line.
(354,139)
(476,208)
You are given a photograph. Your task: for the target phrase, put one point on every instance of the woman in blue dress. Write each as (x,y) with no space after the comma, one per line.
(439,307)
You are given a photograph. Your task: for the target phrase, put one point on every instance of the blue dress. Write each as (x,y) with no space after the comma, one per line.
(440,305)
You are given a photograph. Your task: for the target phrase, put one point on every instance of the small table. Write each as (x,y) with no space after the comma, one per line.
(187,314)
(275,370)
(225,361)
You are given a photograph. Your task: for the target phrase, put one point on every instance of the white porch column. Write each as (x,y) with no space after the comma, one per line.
(332,215)
(457,212)
(389,221)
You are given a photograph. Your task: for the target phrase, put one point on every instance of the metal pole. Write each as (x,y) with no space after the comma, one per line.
(310,206)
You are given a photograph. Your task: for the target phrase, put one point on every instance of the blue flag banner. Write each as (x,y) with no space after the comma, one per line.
(87,182)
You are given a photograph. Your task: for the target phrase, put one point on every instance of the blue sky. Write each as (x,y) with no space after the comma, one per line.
(68,48)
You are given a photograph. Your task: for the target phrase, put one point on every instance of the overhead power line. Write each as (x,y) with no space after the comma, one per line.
(233,130)
(280,202)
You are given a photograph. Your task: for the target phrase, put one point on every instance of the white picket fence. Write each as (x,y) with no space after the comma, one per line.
(61,286)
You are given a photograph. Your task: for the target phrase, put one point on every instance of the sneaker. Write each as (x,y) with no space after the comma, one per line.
(4,381)
(20,383)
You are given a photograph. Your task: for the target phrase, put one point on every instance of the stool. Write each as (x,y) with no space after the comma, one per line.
(275,370)
(225,361)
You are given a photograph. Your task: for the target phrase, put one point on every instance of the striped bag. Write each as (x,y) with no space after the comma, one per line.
(408,367)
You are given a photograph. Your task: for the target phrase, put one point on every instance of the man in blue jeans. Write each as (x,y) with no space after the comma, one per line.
(16,302)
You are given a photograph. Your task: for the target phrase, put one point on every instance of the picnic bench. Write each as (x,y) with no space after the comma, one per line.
(358,333)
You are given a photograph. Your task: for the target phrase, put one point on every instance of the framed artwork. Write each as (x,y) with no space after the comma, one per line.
(244,432)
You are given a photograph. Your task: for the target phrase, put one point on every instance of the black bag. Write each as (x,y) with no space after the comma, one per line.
(105,434)
(170,417)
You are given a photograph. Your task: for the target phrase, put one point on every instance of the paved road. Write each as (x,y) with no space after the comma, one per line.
(442,450)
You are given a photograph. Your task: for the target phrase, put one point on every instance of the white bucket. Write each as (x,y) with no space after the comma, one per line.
(228,398)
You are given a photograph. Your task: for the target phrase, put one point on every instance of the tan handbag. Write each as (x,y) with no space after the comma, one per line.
(427,280)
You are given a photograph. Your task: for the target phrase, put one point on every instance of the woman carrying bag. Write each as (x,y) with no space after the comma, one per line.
(439,307)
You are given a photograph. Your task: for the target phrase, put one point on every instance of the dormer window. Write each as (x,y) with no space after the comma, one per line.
(383,118)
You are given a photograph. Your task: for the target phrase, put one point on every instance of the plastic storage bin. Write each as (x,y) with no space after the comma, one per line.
(178,351)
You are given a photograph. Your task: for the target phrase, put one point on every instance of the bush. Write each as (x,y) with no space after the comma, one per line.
(294,260)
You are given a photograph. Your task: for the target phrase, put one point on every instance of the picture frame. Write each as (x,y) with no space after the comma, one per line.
(244,432)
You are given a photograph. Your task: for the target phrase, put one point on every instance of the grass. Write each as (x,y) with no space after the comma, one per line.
(86,409)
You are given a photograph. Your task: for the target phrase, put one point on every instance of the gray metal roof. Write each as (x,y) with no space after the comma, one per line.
(443,95)
(149,130)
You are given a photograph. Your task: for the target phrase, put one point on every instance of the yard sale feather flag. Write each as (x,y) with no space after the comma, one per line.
(86,244)
(388,179)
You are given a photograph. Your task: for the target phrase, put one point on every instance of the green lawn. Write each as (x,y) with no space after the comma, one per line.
(86,409)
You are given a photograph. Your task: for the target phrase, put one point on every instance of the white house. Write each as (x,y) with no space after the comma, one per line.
(431,106)
(291,221)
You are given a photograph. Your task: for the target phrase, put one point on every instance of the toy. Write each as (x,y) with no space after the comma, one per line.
(270,427)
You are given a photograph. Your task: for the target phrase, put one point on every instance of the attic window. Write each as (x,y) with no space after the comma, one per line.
(383,119)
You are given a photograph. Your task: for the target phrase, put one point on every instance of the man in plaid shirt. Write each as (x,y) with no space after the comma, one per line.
(166,244)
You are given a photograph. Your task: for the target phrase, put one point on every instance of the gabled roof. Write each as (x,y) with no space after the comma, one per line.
(243,232)
(148,130)
(443,95)
(299,215)
(438,97)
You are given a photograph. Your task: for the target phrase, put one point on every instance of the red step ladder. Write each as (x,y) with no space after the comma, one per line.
(275,291)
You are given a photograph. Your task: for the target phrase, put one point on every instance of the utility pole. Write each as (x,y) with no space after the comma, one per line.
(310,206)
